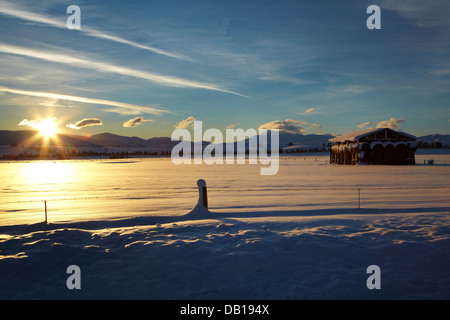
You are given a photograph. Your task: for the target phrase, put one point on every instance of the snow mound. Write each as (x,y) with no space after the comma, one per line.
(200,212)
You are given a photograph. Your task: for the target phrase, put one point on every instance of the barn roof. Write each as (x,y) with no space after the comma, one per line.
(356,135)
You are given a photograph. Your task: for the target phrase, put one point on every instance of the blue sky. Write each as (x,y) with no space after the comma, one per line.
(303,66)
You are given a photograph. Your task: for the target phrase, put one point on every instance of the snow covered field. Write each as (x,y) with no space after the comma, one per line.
(296,235)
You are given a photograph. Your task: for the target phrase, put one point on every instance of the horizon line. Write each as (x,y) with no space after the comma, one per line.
(119,135)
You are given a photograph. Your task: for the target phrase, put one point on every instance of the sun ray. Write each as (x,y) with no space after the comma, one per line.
(46,135)
(47,127)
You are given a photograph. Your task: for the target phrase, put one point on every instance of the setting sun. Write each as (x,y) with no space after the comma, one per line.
(47,127)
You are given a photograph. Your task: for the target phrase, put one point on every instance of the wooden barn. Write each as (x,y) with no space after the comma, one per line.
(373,146)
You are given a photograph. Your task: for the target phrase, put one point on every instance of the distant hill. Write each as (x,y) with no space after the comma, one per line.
(32,137)
(301,141)
(433,139)
(287,141)
(290,142)
(113,140)
(15,137)
(106,140)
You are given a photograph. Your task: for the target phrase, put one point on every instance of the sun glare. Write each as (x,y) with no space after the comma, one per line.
(48,173)
(47,128)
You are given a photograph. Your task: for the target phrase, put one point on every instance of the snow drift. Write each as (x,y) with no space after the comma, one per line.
(262,255)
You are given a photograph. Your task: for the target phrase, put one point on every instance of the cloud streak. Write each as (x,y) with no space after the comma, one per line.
(111,68)
(310,111)
(135,122)
(288,125)
(126,108)
(85,123)
(35,124)
(183,124)
(365,124)
(392,123)
(12,11)
(315,126)
(423,13)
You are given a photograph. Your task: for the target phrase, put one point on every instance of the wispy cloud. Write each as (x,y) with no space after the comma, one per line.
(350,89)
(315,126)
(28,123)
(365,124)
(36,124)
(422,13)
(441,72)
(310,111)
(135,122)
(185,123)
(288,125)
(231,126)
(111,68)
(120,106)
(85,123)
(11,10)
(286,79)
(392,123)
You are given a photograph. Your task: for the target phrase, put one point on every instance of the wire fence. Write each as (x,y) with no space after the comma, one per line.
(178,202)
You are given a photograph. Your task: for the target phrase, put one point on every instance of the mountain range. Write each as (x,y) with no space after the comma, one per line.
(106,140)
(444,139)
(32,137)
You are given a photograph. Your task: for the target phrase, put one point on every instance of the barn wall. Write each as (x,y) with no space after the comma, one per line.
(377,153)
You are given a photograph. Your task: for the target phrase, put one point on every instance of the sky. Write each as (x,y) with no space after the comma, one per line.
(144,68)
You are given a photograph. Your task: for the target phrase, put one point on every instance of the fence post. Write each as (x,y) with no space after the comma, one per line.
(45,205)
(202,193)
